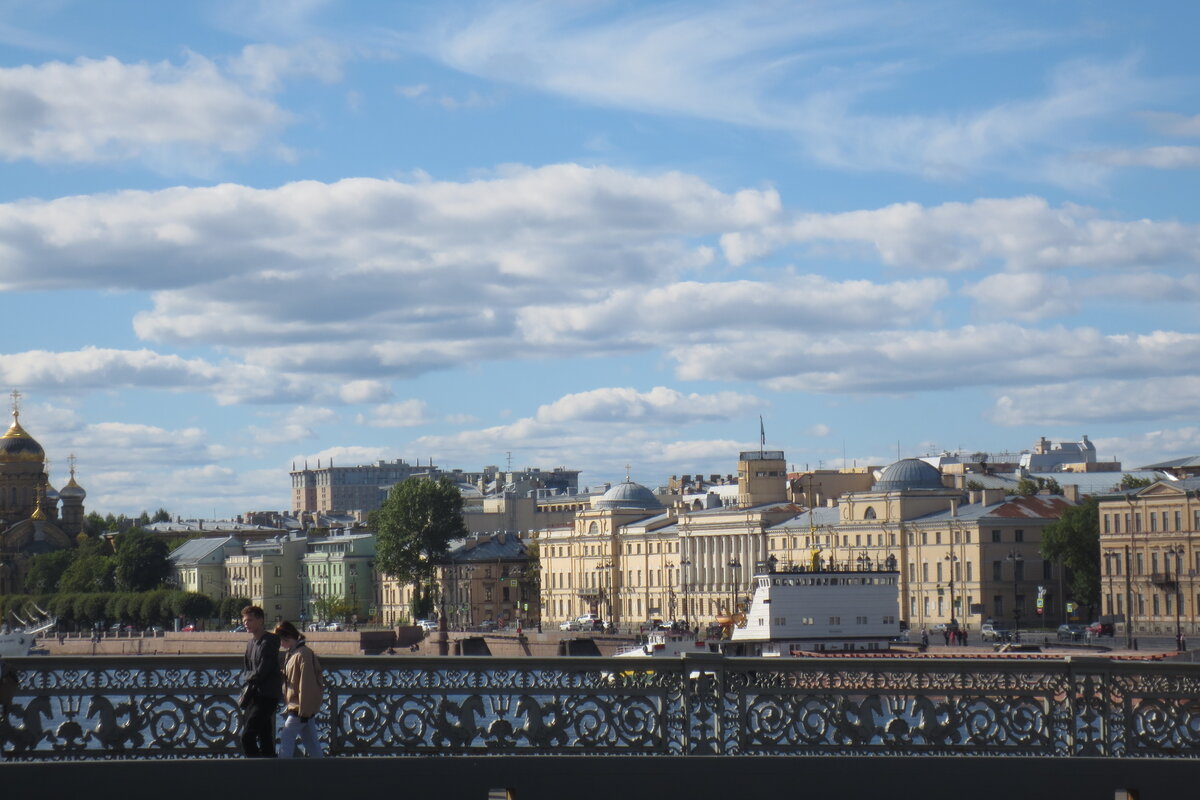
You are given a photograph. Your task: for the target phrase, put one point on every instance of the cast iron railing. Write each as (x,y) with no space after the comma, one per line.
(181,706)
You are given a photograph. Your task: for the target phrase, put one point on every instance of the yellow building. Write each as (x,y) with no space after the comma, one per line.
(1149,557)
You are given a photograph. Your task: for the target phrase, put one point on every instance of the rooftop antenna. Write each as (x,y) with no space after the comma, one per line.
(762,437)
(508,453)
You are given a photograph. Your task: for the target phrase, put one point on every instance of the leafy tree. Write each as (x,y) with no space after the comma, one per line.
(974,486)
(162,515)
(143,519)
(334,608)
(1130,482)
(1026,487)
(193,605)
(413,528)
(46,570)
(89,572)
(95,522)
(1032,485)
(1073,541)
(141,561)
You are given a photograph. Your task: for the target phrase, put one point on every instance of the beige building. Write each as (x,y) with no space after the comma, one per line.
(1149,557)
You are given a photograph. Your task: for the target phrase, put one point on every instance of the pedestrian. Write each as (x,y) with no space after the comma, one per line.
(262,686)
(924,638)
(963,636)
(302,689)
(946,636)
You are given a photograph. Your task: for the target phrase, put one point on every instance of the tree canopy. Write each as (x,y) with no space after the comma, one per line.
(1074,542)
(1130,482)
(415,526)
(141,561)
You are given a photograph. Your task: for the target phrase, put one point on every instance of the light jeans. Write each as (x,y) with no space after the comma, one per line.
(306,731)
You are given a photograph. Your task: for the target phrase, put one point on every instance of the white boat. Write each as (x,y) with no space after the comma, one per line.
(815,609)
(16,643)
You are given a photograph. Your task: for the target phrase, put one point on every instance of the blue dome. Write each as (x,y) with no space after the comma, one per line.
(628,495)
(909,473)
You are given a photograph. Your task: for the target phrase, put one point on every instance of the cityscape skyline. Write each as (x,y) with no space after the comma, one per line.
(240,235)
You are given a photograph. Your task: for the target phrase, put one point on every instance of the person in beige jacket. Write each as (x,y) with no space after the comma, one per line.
(301,694)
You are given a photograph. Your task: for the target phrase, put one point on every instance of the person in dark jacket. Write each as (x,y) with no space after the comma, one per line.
(264,684)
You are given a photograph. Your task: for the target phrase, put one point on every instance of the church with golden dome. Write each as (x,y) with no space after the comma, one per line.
(34,517)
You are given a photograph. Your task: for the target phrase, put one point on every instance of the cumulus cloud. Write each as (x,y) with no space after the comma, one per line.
(265,66)
(292,426)
(1023,234)
(107,110)
(660,405)
(931,360)
(1024,295)
(1175,397)
(1161,157)
(405,414)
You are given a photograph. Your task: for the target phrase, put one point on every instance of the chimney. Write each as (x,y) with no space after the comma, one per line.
(954,507)
(1071,492)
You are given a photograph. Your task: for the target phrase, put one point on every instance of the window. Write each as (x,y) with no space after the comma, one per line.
(869,513)
(925,571)
(1106,528)
(1018,536)
(1018,570)
(937,537)
(997,570)
(1154,562)
(924,537)
(939,571)
(995,536)
(969,577)
(835,620)
(1153,522)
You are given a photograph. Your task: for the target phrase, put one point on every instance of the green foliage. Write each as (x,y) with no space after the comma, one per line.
(162,515)
(141,561)
(1074,542)
(46,571)
(89,572)
(974,486)
(334,608)
(1027,487)
(1031,485)
(230,608)
(1130,482)
(193,605)
(414,527)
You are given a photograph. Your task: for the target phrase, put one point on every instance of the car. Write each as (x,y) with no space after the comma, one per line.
(188,628)
(487,625)
(569,625)
(993,632)
(334,626)
(238,629)
(1100,629)
(427,625)
(1071,632)
(154,630)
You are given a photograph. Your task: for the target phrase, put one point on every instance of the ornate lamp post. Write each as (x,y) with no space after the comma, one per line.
(684,563)
(734,564)
(1016,559)
(952,560)
(1177,552)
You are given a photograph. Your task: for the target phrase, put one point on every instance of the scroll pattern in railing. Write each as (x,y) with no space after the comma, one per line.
(139,707)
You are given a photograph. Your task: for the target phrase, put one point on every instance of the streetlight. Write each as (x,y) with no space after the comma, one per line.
(605,575)
(953,561)
(669,566)
(684,563)
(733,564)
(864,562)
(1016,559)
(1177,551)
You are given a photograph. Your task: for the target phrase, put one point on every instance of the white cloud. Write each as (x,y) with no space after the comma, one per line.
(1173,124)
(1174,397)
(405,414)
(295,425)
(933,360)
(803,69)
(1023,234)
(1151,447)
(106,110)
(660,405)
(265,66)
(1161,157)
(414,91)
(1024,295)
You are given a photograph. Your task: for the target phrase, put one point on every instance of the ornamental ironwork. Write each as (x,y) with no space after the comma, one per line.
(179,706)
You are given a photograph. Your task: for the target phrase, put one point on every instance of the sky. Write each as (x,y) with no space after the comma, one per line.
(608,236)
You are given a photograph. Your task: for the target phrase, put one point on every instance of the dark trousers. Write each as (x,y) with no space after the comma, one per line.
(258,728)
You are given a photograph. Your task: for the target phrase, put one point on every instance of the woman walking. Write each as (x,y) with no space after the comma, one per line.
(301,694)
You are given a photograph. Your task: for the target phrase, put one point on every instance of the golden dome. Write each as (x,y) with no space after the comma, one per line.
(17,445)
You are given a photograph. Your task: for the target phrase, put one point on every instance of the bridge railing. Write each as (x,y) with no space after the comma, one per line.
(186,706)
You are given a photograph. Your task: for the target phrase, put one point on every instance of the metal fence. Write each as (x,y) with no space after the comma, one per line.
(185,706)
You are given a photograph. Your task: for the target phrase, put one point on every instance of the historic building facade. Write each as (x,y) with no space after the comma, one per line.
(1150,558)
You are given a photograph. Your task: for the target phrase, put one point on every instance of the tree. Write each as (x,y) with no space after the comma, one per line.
(413,528)
(162,515)
(1073,541)
(141,561)
(1130,482)
(974,486)
(334,608)
(89,572)
(46,571)
(1026,487)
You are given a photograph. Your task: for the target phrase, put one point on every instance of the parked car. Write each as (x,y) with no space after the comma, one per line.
(334,626)
(1100,629)
(569,625)
(587,621)
(1071,632)
(487,625)
(428,625)
(188,628)
(993,632)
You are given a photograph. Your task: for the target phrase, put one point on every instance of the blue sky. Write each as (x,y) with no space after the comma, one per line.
(591,234)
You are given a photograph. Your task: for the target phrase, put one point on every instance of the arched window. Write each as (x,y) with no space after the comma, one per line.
(594,528)
(869,513)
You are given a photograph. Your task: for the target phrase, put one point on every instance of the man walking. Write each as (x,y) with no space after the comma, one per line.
(263,686)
